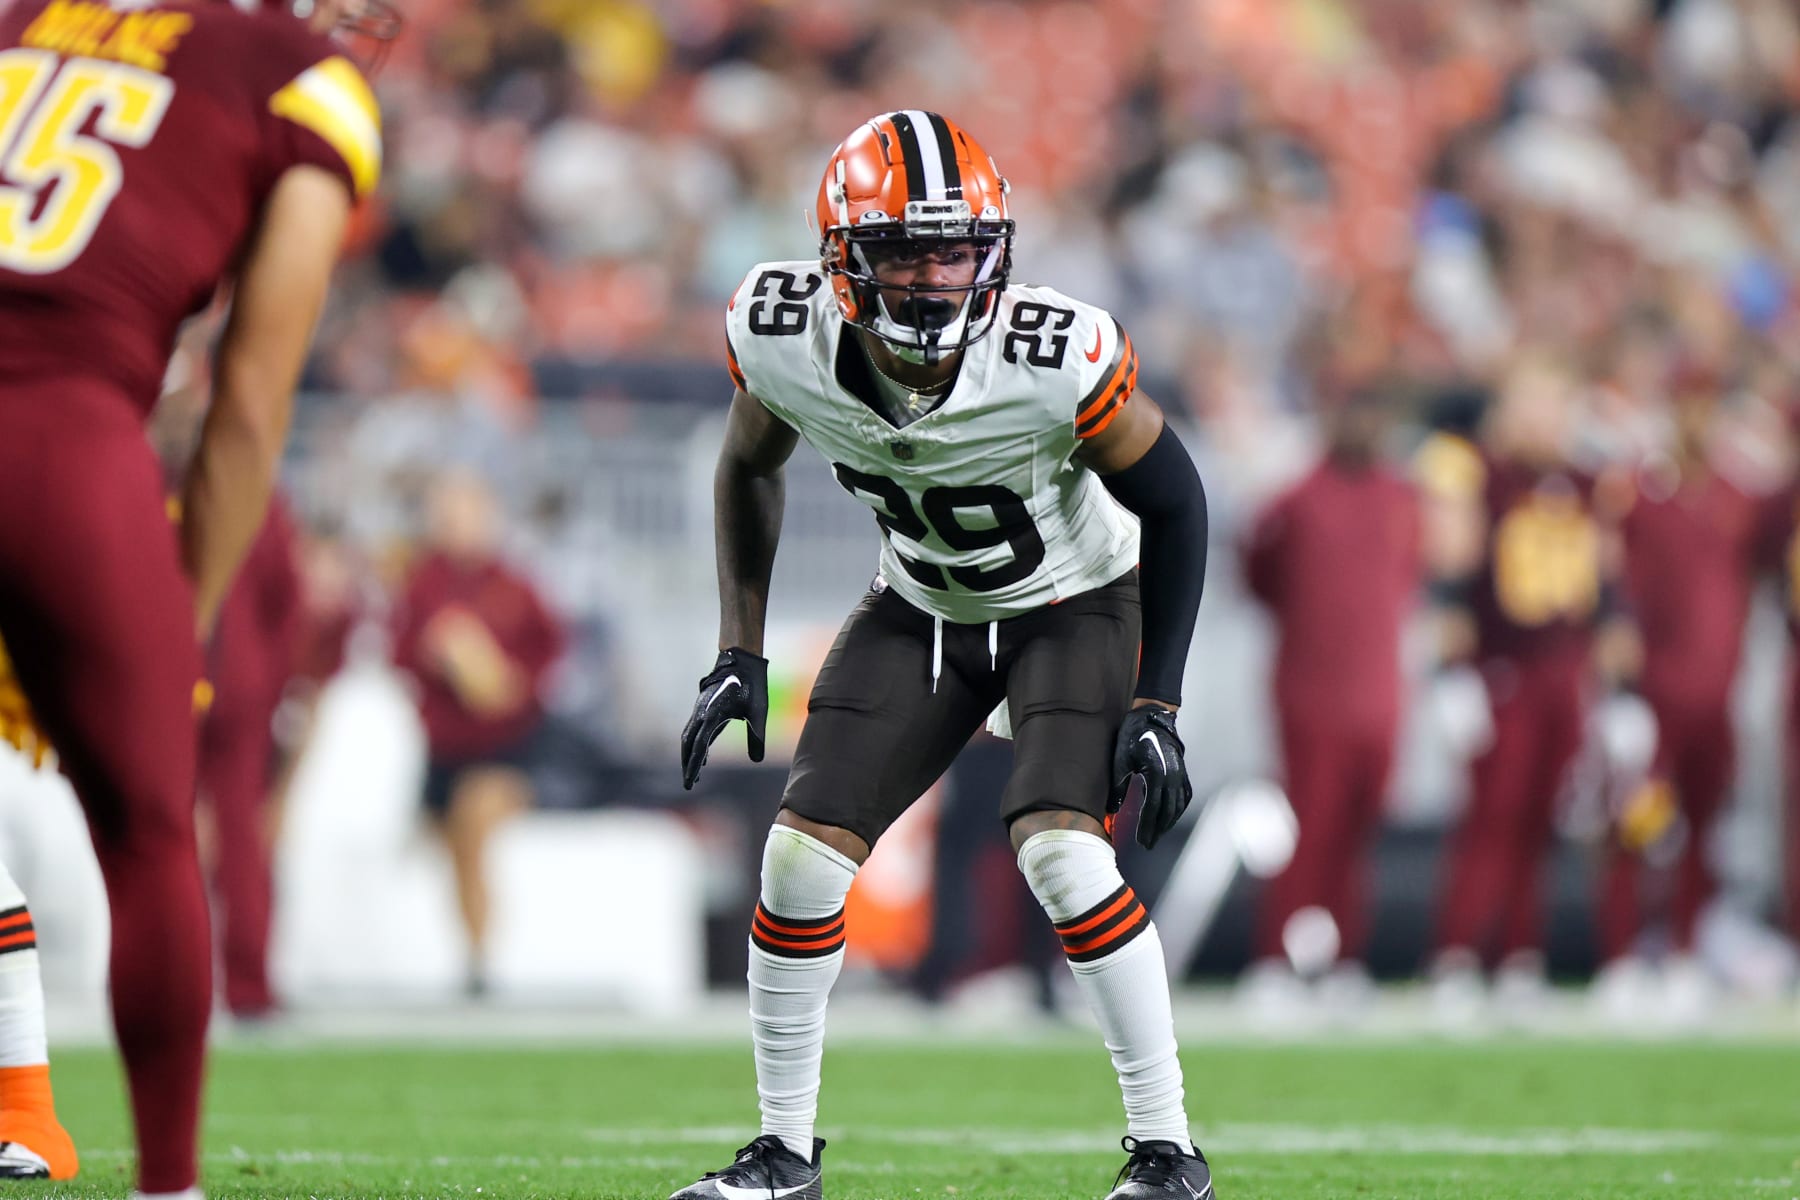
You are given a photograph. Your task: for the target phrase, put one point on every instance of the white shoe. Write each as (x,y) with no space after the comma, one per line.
(1522,994)
(1347,993)
(1273,997)
(1691,995)
(1459,994)
(16,1162)
(1625,994)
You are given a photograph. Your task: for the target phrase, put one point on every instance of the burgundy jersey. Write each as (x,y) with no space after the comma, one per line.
(1539,589)
(1689,557)
(1336,560)
(137,145)
(517,620)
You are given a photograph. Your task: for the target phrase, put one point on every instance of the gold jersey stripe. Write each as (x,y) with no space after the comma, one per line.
(332,99)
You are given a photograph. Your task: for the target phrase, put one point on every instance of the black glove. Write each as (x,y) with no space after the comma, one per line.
(737,689)
(1148,746)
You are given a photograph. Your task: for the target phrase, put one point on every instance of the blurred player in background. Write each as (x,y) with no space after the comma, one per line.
(1525,563)
(248,664)
(1690,548)
(147,153)
(1778,555)
(1336,560)
(478,640)
(996,432)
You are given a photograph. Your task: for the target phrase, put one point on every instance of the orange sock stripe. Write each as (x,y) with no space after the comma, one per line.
(788,927)
(1107,908)
(827,937)
(15,924)
(788,940)
(18,941)
(1104,942)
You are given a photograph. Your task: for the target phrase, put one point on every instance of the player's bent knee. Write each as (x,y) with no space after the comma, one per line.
(1028,825)
(845,842)
(800,910)
(1076,879)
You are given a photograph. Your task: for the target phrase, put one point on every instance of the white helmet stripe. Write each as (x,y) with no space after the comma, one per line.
(930,157)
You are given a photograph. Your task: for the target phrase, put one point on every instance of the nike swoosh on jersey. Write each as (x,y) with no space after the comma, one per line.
(1156,746)
(731,1192)
(1094,354)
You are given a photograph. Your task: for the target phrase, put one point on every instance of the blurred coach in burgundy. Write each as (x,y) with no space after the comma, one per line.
(1336,560)
(478,640)
(249,662)
(1690,548)
(1533,589)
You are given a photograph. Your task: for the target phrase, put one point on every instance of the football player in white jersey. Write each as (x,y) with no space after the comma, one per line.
(997,434)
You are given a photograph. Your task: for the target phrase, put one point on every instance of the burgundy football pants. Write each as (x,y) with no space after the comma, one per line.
(1492,885)
(99,620)
(1696,753)
(1336,781)
(1791,817)
(237,753)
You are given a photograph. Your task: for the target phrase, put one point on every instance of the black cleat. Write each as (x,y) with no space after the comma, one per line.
(16,1162)
(764,1170)
(1161,1169)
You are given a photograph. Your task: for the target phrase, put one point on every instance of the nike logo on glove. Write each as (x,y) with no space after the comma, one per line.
(1156,746)
(728,681)
(1094,354)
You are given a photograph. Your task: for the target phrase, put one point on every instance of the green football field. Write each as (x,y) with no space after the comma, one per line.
(1362,1120)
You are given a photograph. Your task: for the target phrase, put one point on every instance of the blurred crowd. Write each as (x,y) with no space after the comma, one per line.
(1263,190)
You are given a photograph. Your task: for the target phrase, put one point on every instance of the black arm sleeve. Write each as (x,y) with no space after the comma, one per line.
(1165,492)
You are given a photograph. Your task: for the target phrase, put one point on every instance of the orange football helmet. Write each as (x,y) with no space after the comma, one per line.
(901,179)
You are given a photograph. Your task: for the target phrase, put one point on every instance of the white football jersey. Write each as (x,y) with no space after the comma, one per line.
(984,511)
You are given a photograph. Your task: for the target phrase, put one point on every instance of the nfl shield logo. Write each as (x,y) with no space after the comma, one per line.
(902,450)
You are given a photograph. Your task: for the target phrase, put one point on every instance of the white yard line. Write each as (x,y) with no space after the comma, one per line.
(1222,1139)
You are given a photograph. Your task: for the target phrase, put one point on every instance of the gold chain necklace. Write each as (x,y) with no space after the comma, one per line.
(915,396)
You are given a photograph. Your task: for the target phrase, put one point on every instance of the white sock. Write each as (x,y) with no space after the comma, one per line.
(192,1193)
(22,1041)
(796,952)
(1118,963)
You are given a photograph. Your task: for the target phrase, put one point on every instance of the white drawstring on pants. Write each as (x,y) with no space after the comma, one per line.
(937,649)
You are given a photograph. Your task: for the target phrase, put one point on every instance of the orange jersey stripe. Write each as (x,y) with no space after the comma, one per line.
(1124,373)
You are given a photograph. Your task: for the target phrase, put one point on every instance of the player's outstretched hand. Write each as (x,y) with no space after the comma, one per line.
(737,689)
(1149,746)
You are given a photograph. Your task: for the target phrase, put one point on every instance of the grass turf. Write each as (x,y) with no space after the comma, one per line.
(1504,1120)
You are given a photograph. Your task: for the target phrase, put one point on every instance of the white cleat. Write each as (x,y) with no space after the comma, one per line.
(1691,995)
(1522,993)
(1624,996)
(1459,996)
(16,1162)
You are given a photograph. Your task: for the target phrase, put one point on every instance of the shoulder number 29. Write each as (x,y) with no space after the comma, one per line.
(44,105)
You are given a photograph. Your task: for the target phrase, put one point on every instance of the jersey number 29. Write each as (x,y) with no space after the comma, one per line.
(1012,527)
(45,104)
